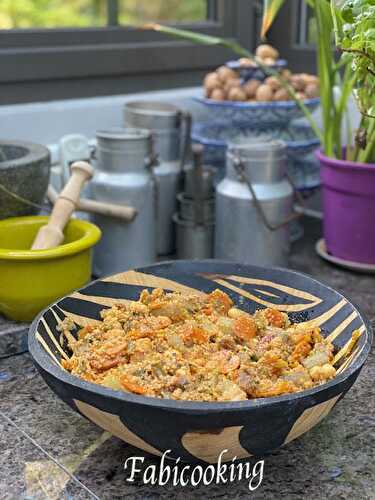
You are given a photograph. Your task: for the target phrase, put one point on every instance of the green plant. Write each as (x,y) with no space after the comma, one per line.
(354,24)
(337,78)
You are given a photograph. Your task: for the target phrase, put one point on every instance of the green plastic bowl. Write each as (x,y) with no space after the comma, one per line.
(32,279)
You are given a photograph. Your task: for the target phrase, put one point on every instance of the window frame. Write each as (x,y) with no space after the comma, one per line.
(300,56)
(70,56)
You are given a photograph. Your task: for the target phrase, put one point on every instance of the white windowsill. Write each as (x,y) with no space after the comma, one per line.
(47,122)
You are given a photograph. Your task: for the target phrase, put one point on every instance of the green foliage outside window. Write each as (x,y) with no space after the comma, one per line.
(91,13)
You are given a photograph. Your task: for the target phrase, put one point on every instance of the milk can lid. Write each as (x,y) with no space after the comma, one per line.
(152,114)
(272,150)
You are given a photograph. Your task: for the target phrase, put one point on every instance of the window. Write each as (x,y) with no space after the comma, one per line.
(306,27)
(294,34)
(26,14)
(72,48)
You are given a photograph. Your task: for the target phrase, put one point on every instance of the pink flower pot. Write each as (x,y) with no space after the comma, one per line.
(349,208)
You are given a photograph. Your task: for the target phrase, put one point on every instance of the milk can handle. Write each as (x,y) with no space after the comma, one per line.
(186,117)
(152,160)
(239,167)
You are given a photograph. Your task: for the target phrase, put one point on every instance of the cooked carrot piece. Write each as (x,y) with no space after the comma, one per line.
(220,301)
(207,310)
(196,335)
(132,386)
(275,317)
(116,349)
(245,328)
(301,350)
(274,389)
(104,364)
(84,331)
(301,337)
(199,335)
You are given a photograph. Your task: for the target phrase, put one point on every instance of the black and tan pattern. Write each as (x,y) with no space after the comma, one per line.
(200,431)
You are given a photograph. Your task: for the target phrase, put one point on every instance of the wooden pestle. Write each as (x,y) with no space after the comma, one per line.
(51,235)
(122,212)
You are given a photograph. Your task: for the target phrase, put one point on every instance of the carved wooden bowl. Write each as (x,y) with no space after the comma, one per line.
(200,431)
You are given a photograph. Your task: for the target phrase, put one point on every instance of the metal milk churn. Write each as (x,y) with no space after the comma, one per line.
(123,176)
(171,144)
(195,220)
(254,204)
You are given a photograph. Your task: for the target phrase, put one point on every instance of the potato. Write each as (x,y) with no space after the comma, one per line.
(264,93)
(312,90)
(273,82)
(264,51)
(309,78)
(250,87)
(218,94)
(281,95)
(211,81)
(237,94)
(297,82)
(224,73)
(233,83)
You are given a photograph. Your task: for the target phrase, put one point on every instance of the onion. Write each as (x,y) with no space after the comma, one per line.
(319,358)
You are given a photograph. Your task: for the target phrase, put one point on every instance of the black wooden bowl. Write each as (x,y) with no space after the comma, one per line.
(198,430)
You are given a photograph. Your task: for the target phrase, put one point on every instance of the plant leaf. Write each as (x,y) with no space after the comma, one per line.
(270,10)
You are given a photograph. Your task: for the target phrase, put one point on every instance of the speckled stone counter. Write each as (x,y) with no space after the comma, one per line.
(50,452)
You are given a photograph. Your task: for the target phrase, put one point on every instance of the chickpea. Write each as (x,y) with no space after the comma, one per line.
(324,372)
(211,81)
(264,93)
(218,94)
(237,94)
(224,73)
(250,87)
(235,313)
(273,82)
(267,51)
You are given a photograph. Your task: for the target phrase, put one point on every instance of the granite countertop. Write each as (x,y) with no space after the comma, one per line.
(50,452)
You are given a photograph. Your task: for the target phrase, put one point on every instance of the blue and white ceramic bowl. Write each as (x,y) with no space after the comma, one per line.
(255,114)
(300,140)
(248,72)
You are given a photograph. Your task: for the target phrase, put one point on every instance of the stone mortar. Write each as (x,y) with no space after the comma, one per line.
(24,171)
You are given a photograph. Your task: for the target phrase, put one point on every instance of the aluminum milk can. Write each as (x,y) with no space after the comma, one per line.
(254,204)
(123,176)
(195,221)
(171,143)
